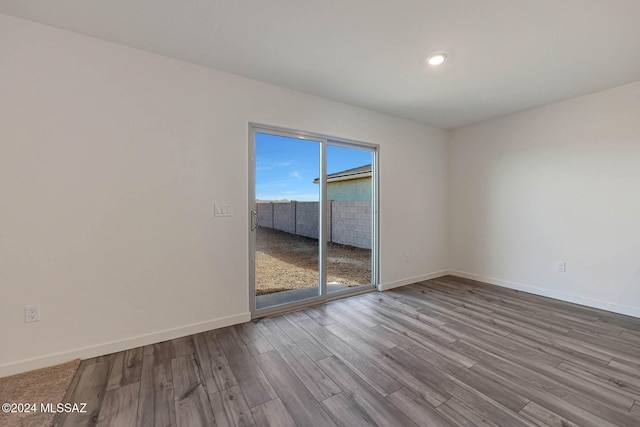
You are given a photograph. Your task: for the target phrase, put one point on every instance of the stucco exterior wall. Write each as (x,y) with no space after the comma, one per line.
(353,189)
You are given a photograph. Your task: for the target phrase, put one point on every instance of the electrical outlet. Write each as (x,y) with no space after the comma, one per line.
(31,313)
(561,267)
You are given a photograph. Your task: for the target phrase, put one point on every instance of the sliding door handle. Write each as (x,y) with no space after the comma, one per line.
(256,223)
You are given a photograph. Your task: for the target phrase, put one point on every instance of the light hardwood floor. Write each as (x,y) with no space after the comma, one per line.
(444,352)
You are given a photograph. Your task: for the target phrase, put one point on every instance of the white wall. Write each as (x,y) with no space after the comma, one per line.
(558,183)
(110,162)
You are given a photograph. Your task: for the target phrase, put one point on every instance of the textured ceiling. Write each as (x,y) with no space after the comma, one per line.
(504,55)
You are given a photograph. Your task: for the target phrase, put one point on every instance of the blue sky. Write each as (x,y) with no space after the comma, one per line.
(286,167)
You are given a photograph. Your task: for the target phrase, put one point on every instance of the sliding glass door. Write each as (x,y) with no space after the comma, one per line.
(350,193)
(313,228)
(286,219)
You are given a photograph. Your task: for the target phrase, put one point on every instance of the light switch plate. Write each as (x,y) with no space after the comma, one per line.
(223,210)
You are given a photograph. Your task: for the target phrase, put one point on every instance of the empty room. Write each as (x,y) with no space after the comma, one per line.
(310,213)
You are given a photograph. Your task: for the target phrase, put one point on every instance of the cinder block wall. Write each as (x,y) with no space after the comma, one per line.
(307,219)
(349,222)
(265,214)
(284,217)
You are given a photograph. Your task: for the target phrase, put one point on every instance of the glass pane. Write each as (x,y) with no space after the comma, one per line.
(288,207)
(349,225)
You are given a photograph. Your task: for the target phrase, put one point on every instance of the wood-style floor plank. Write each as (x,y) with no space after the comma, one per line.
(161,351)
(314,378)
(456,418)
(346,413)
(156,405)
(272,414)
(303,407)
(380,410)
(341,315)
(90,389)
(183,346)
(304,340)
(253,339)
(444,352)
(362,341)
(617,383)
(192,404)
(230,409)
(408,371)
(468,378)
(630,368)
(71,389)
(546,398)
(418,409)
(120,406)
(359,363)
(493,401)
(214,365)
(544,417)
(252,381)
(127,368)
(585,395)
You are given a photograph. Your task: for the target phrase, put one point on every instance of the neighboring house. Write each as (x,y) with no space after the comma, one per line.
(350,184)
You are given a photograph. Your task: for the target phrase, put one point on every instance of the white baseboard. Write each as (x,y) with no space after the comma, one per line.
(120,345)
(562,296)
(403,282)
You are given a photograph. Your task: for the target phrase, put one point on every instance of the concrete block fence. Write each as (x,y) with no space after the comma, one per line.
(349,221)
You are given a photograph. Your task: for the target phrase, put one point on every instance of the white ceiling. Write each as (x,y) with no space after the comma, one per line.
(504,55)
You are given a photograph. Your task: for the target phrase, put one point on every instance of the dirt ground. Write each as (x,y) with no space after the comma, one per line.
(285,261)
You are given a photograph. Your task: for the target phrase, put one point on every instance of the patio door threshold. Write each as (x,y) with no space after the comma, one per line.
(310,302)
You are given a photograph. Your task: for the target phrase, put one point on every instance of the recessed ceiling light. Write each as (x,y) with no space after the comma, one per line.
(436,59)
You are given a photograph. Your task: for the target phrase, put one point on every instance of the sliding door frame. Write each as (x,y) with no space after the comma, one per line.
(324,141)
